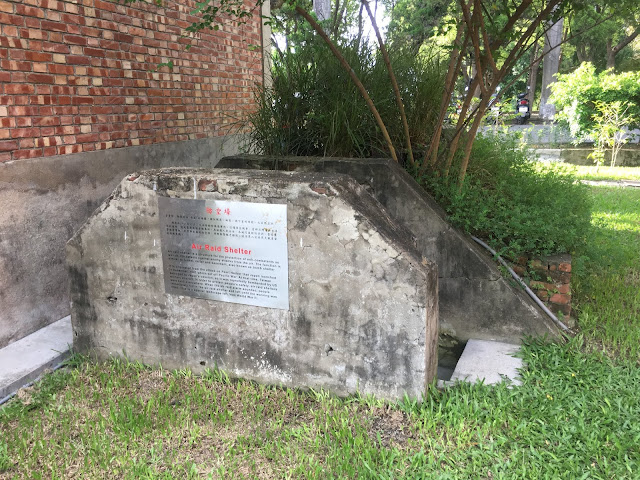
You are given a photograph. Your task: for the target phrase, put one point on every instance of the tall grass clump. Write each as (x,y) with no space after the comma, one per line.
(313,108)
(518,205)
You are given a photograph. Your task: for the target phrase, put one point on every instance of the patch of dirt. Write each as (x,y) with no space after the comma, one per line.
(633,278)
(389,427)
(150,383)
(25,395)
(212,450)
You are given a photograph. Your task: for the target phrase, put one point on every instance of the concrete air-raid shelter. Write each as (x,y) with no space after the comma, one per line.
(296,279)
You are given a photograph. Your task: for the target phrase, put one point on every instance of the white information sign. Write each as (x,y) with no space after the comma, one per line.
(227,251)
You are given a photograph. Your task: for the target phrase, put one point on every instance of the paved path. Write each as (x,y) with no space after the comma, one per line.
(613,183)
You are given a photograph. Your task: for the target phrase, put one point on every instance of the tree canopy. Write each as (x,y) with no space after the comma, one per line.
(605,45)
(490,43)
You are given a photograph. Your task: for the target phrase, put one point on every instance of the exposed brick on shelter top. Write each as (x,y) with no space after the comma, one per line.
(553,280)
(83,75)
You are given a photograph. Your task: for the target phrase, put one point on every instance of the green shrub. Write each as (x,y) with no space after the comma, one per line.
(313,108)
(577,94)
(518,205)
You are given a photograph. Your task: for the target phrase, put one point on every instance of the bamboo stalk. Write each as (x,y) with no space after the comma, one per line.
(394,83)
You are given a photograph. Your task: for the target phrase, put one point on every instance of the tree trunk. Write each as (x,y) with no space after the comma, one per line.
(613,51)
(360,24)
(533,74)
(394,82)
(581,52)
(474,73)
(322,9)
(453,145)
(611,56)
(550,65)
(455,62)
(338,17)
(482,108)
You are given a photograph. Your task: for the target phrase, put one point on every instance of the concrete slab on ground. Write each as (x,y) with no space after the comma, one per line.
(22,361)
(612,183)
(489,361)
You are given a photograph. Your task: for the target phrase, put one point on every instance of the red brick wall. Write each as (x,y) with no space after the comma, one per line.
(82,75)
(551,282)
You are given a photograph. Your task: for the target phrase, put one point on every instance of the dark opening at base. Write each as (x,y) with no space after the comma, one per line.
(449,352)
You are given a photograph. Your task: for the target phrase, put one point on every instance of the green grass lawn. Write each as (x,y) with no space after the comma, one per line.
(575,416)
(607,287)
(607,173)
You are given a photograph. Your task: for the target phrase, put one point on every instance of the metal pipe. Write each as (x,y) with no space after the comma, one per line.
(521,282)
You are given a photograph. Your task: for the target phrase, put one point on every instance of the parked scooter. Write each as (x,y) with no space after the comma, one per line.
(523,109)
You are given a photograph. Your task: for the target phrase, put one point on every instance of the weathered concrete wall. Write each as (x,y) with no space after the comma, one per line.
(363,303)
(43,201)
(475,300)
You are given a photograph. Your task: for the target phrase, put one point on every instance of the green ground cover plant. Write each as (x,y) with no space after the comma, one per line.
(519,206)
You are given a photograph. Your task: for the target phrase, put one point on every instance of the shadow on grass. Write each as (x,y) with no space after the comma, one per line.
(607,282)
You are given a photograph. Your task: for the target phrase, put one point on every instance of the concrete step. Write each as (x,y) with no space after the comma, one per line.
(22,361)
(488,361)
